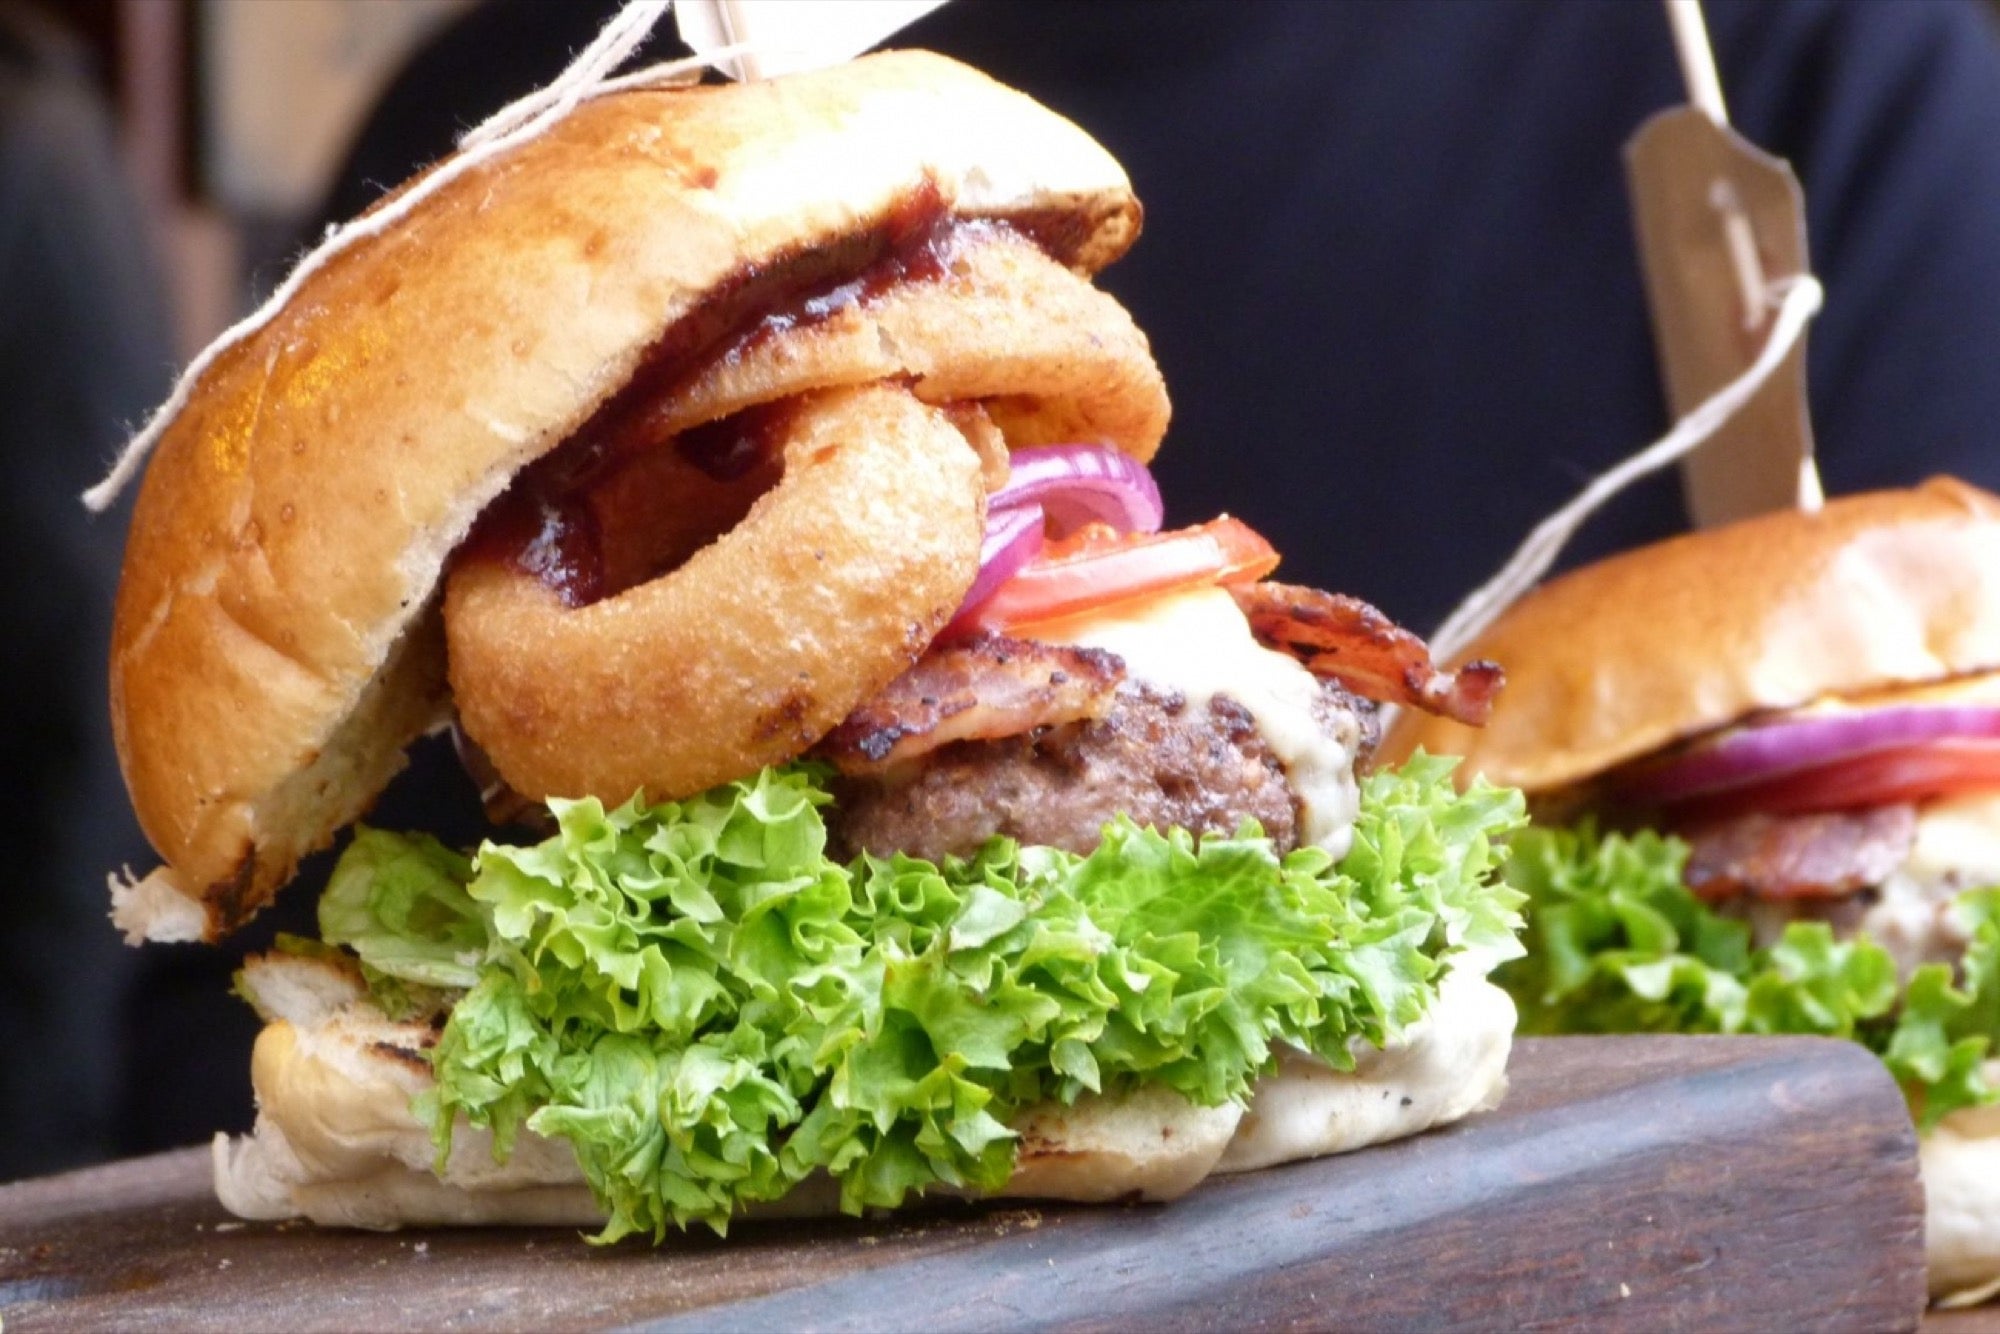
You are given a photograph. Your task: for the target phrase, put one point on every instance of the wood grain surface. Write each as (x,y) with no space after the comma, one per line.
(1627,1183)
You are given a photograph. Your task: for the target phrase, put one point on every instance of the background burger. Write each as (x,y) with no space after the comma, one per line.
(753,478)
(1765,767)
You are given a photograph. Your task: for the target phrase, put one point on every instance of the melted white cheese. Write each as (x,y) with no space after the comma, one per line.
(1958,836)
(1957,848)
(1198,643)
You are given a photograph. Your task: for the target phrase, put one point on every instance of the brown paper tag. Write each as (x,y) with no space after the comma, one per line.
(1719,224)
(792,35)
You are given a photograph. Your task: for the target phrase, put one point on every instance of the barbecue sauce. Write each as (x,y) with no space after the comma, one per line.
(546,533)
(731,448)
(545,524)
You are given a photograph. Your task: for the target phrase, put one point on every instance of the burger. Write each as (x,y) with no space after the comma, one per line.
(752,482)
(1764,762)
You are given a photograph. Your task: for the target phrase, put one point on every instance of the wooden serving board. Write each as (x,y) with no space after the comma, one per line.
(1642,1183)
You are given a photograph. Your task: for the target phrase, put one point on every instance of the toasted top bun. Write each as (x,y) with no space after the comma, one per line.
(1621,658)
(275,647)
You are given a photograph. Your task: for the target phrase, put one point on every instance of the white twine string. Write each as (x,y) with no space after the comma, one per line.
(1799,300)
(619,38)
(587,77)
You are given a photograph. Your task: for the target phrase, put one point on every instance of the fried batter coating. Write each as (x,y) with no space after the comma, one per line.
(757,646)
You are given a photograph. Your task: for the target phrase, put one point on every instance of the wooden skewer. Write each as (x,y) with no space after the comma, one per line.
(1704,87)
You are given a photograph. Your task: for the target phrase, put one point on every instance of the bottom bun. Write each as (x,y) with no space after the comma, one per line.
(337,1143)
(1961,1171)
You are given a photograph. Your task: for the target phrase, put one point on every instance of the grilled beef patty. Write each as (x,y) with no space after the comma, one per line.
(1151,757)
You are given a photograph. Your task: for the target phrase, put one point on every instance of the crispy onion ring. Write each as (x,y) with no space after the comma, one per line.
(1050,357)
(725,646)
(759,644)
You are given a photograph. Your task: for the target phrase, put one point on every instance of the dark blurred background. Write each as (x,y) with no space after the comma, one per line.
(1387,269)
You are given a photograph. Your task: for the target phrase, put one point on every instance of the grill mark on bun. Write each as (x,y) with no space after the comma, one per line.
(409,1057)
(231,901)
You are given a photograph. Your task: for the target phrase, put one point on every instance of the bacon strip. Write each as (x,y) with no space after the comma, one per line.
(1344,639)
(987,687)
(1823,856)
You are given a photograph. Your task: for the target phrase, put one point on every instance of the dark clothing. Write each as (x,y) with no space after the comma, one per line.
(84,352)
(1389,269)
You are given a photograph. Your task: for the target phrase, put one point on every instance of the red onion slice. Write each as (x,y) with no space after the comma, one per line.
(1774,750)
(1079,484)
(1013,538)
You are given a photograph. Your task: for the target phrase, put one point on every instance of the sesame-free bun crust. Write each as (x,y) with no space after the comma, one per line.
(1621,658)
(336,1140)
(275,645)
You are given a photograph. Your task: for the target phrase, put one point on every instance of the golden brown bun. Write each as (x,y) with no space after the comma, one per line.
(274,647)
(336,1141)
(1653,646)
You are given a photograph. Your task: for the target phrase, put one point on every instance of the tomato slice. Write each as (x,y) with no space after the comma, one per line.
(1097,567)
(1880,778)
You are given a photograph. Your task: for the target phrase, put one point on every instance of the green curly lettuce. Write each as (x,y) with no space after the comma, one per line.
(1617,944)
(708,1008)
